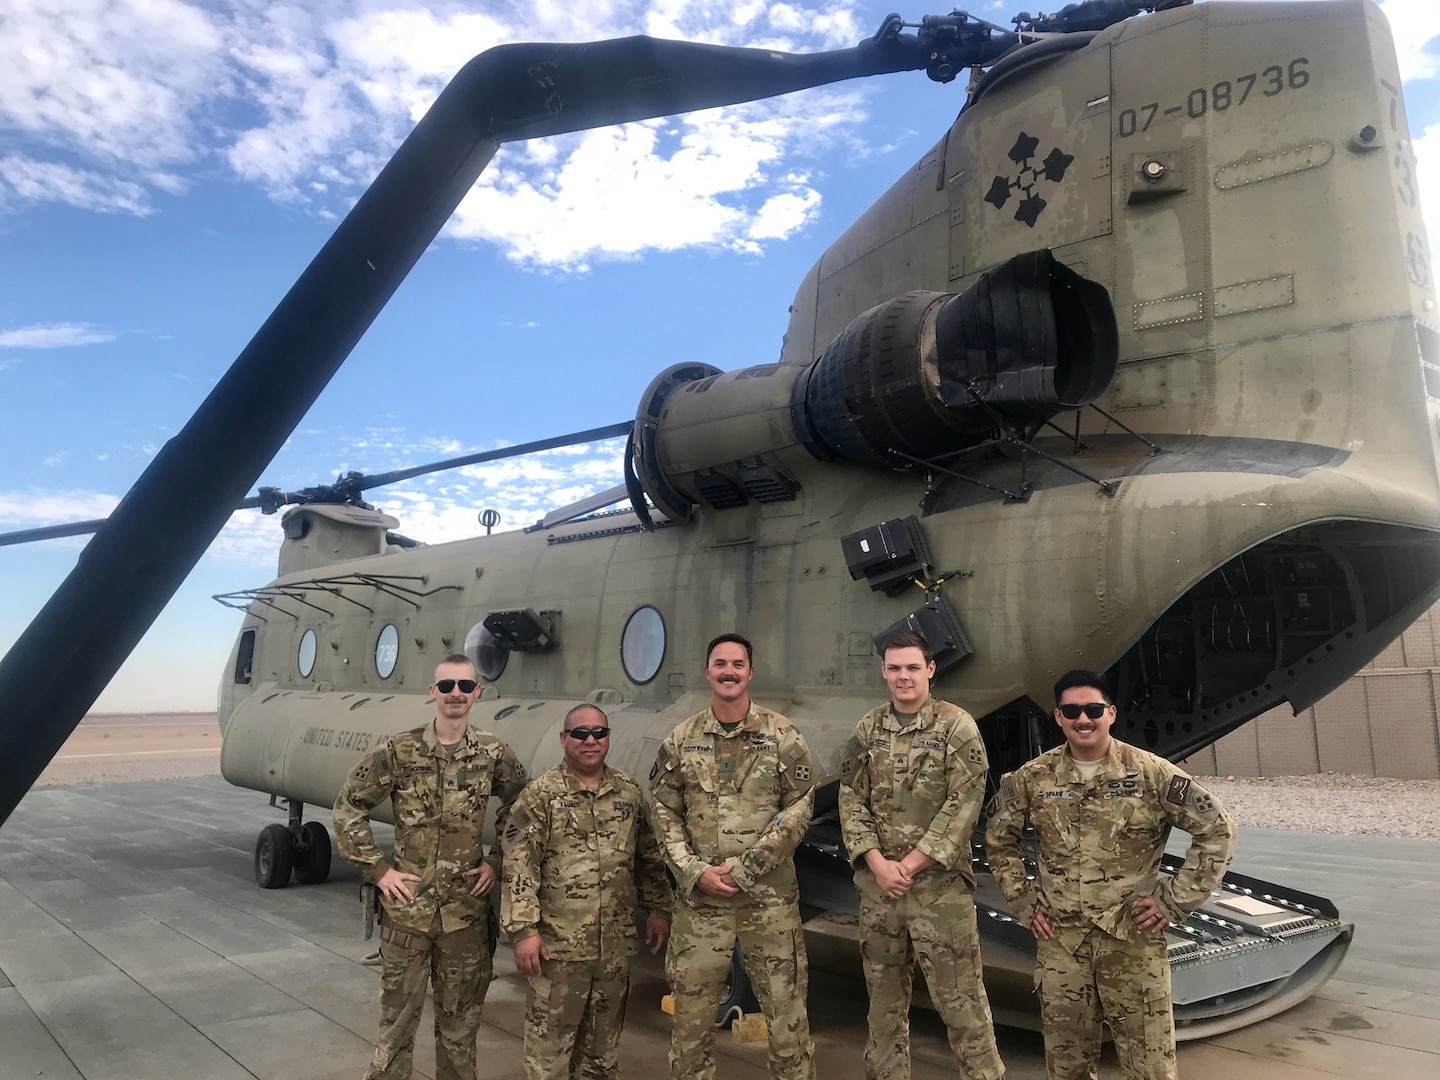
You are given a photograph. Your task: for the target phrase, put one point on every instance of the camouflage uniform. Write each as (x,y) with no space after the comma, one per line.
(908,784)
(1100,847)
(439,805)
(575,858)
(743,797)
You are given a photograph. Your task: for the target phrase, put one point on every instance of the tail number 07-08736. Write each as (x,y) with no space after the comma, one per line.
(1226,93)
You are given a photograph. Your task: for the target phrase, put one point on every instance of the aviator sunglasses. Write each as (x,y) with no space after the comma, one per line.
(467,686)
(582,734)
(1093,709)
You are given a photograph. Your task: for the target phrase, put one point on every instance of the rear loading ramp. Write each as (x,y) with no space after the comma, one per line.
(1251,951)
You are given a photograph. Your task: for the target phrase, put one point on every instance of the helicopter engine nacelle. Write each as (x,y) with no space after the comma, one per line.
(921,376)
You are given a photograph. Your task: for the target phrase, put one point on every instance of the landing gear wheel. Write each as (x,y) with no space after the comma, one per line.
(312,857)
(274,856)
(739,997)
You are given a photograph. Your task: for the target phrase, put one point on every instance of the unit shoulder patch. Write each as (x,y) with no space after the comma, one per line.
(1178,791)
(516,827)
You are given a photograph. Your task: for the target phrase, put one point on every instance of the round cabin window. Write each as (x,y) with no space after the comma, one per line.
(305,659)
(387,651)
(642,644)
(486,653)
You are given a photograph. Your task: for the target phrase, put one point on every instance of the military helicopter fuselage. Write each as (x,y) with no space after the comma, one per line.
(1136,370)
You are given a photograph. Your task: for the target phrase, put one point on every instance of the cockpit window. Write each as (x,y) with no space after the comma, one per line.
(387,651)
(245,658)
(305,657)
(642,644)
(486,653)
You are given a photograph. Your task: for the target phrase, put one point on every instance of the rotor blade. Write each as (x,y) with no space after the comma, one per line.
(51,532)
(139,557)
(558,88)
(609,431)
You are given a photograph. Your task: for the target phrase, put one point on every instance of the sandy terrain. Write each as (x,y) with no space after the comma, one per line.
(108,748)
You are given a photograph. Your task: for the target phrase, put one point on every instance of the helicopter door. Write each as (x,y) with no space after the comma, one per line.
(1028,165)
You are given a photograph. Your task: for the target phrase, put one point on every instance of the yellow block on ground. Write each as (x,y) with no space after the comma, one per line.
(750,1028)
(667,1004)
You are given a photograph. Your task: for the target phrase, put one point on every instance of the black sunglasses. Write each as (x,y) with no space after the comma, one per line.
(581,734)
(1093,709)
(467,686)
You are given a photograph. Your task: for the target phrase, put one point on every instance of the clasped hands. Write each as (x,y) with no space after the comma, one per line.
(895,876)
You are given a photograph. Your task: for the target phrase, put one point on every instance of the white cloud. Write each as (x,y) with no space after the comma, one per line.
(46,181)
(1416,27)
(119,78)
(116,100)
(53,336)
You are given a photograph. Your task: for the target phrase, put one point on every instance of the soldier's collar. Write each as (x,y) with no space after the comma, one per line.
(750,722)
(923,715)
(1110,765)
(431,740)
(574,782)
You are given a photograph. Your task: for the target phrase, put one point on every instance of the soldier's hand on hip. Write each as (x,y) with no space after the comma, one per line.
(392,885)
(716,881)
(657,933)
(1040,923)
(528,954)
(1148,914)
(484,876)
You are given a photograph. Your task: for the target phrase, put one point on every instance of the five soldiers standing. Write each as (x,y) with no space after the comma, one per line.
(732,795)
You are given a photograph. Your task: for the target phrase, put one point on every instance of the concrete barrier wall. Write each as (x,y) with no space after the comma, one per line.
(1383,722)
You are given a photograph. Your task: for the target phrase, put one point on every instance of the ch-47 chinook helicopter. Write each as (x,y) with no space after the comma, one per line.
(1136,369)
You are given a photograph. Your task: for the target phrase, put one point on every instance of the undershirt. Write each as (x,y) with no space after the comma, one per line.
(1087,769)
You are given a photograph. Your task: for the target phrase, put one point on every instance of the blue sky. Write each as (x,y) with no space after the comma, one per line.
(167,169)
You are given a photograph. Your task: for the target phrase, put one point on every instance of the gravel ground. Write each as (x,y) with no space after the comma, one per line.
(1333,803)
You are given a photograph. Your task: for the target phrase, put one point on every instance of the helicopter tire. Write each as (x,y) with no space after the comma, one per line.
(312,860)
(739,997)
(274,857)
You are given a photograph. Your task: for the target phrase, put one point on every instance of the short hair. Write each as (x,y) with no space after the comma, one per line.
(459,658)
(1083,677)
(907,639)
(584,706)
(738,640)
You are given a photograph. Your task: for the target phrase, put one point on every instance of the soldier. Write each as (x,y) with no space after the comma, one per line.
(733,796)
(912,785)
(1103,811)
(435,917)
(577,846)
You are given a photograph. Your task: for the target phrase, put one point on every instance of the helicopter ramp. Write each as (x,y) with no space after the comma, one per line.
(1252,951)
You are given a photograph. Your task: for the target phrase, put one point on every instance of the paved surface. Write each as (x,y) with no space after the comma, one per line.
(134,944)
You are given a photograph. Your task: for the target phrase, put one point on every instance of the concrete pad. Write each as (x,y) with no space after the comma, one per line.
(223,930)
(29,1048)
(292,1045)
(341,990)
(43,958)
(80,906)
(228,980)
(108,1026)
(1368,1025)
(1355,993)
(1330,1052)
